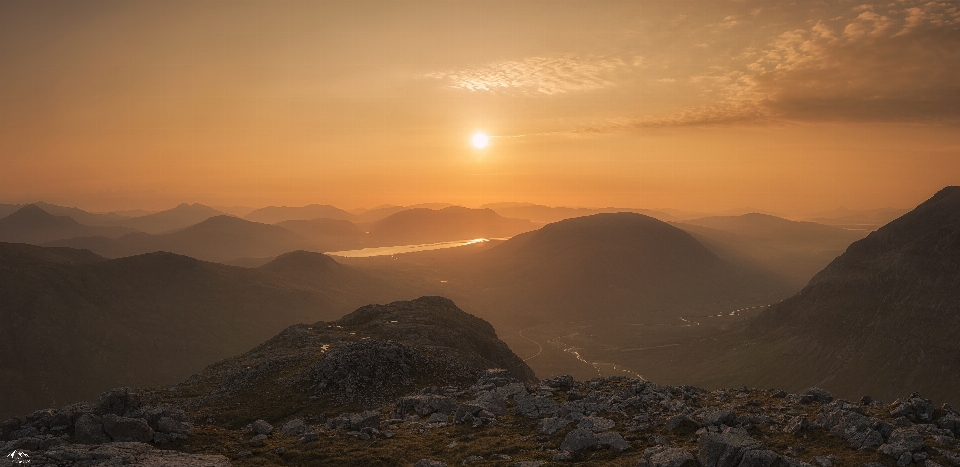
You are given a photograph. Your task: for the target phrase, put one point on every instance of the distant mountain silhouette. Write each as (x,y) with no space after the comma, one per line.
(31,224)
(218,238)
(275,214)
(608,265)
(869,219)
(384,211)
(84,217)
(328,234)
(7,209)
(793,250)
(548,214)
(179,217)
(881,319)
(75,324)
(422,225)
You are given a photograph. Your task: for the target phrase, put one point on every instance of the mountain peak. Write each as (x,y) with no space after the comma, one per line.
(301,261)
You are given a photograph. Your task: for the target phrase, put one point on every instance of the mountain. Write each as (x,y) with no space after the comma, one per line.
(880,318)
(606,265)
(84,217)
(7,209)
(423,383)
(548,214)
(179,217)
(218,238)
(76,324)
(386,210)
(793,250)
(328,234)
(31,224)
(274,214)
(423,225)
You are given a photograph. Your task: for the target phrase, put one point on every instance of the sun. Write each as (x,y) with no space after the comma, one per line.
(480,140)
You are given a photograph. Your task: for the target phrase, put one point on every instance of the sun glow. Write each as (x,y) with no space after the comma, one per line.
(480,140)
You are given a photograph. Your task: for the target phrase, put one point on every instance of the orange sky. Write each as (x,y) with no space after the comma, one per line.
(700,105)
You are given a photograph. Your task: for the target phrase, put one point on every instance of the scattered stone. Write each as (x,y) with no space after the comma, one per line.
(261,427)
(562,456)
(549,426)
(127,429)
(903,441)
(725,449)
(669,457)
(294,427)
(915,408)
(613,441)
(578,440)
(682,425)
(798,423)
(817,395)
(529,464)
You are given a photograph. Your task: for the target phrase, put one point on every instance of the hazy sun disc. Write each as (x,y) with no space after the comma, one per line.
(480,140)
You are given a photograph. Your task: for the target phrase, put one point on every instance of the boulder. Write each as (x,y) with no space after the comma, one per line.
(950,422)
(89,430)
(725,449)
(119,401)
(560,382)
(429,463)
(682,425)
(817,395)
(127,429)
(613,441)
(261,427)
(903,440)
(549,426)
(914,407)
(368,419)
(716,417)
(670,457)
(578,440)
(293,427)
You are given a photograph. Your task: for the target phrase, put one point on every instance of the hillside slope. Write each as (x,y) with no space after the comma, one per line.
(31,224)
(75,324)
(882,317)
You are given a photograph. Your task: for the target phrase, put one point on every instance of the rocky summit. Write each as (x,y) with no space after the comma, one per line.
(421,383)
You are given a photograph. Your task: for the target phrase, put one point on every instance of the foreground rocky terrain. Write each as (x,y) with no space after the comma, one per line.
(414,383)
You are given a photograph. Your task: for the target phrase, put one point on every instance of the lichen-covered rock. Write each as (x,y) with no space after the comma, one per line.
(903,440)
(668,457)
(261,427)
(119,401)
(613,441)
(293,427)
(682,425)
(914,407)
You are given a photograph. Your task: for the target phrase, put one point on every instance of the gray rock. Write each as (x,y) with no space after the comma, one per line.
(313,436)
(903,440)
(613,441)
(597,424)
(725,449)
(563,456)
(716,417)
(758,458)
(425,405)
(560,382)
(466,413)
(819,395)
(952,458)
(368,419)
(914,407)
(171,425)
(578,440)
(429,463)
(492,401)
(786,461)
(950,422)
(795,424)
(119,401)
(529,464)
(293,427)
(853,427)
(821,461)
(260,437)
(261,427)
(670,457)
(549,426)
(437,417)
(682,425)
(89,430)
(127,429)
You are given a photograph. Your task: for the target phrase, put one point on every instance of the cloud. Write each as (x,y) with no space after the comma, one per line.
(902,65)
(539,75)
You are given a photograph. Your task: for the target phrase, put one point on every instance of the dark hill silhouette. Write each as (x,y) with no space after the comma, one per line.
(179,217)
(218,238)
(423,225)
(386,210)
(112,219)
(793,250)
(274,214)
(608,265)
(548,214)
(880,318)
(75,324)
(304,262)
(31,224)
(328,234)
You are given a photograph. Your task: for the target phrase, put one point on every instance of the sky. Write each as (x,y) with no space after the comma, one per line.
(704,105)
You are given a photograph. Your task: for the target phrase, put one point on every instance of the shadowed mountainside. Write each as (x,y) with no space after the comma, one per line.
(793,250)
(606,265)
(75,324)
(219,238)
(549,214)
(881,318)
(31,224)
(179,217)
